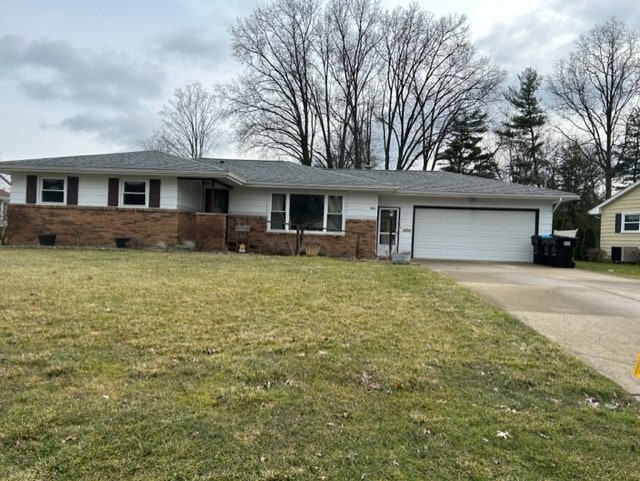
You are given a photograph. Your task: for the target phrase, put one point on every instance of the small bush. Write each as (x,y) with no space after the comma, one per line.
(596,254)
(16,221)
(312,249)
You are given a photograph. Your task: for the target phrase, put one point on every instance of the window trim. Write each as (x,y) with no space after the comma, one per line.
(623,223)
(325,213)
(123,193)
(41,180)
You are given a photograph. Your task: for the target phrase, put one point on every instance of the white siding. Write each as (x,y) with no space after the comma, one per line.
(361,205)
(357,205)
(168,192)
(93,189)
(18,194)
(188,195)
(243,201)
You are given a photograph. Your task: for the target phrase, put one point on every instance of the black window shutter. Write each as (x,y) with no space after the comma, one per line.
(618,223)
(154,193)
(32,189)
(112,198)
(72,191)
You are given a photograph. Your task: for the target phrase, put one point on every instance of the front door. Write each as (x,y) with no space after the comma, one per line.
(387,230)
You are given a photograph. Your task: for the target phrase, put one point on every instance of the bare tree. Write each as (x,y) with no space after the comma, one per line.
(272,100)
(404,51)
(354,34)
(595,88)
(325,82)
(190,125)
(433,75)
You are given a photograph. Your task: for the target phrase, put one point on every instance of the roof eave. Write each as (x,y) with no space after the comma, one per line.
(595,211)
(129,171)
(336,187)
(484,195)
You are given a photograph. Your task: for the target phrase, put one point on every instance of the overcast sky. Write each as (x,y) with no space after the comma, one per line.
(89,76)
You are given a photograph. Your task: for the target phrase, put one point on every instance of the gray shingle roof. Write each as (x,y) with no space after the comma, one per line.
(287,174)
(144,160)
(261,172)
(441,182)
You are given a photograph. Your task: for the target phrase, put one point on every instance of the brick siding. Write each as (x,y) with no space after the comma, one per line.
(358,240)
(100,226)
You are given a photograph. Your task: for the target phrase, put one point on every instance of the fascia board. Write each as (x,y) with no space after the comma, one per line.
(485,195)
(336,187)
(108,171)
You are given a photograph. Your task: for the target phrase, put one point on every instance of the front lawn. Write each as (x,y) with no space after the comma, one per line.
(135,365)
(625,270)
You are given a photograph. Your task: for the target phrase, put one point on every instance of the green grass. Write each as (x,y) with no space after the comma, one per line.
(625,270)
(134,365)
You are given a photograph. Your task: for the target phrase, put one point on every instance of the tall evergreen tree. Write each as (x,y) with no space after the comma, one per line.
(629,163)
(521,134)
(464,154)
(575,171)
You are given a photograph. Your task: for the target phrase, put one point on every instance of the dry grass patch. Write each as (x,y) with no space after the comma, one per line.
(159,365)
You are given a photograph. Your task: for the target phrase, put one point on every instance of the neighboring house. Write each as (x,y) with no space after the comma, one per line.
(4,200)
(156,198)
(620,224)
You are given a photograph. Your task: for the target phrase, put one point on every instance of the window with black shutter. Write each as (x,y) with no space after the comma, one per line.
(72,191)
(32,189)
(154,193)
(112,196)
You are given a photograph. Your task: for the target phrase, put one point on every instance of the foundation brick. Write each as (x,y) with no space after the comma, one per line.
(100,226)
(358,240)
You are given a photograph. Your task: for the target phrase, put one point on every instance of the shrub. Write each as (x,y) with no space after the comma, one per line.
(596,254)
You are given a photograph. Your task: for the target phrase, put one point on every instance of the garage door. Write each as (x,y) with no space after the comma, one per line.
(474,234)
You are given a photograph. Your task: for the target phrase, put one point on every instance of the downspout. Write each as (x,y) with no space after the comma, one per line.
(557,205)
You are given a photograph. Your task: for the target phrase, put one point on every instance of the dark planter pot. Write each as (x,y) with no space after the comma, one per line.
(47,239)
(123,242)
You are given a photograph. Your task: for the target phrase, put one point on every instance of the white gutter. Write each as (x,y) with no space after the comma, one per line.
(131,171)
(485,195)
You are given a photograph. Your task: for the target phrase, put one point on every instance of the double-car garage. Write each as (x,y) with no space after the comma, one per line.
(480,234)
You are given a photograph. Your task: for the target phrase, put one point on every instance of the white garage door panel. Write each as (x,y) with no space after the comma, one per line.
(484,235)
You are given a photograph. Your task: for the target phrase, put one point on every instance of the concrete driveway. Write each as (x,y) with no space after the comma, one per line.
(595,316)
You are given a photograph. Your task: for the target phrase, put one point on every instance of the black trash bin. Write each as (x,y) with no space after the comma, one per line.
(562,251)
(547,250)
(536,242)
